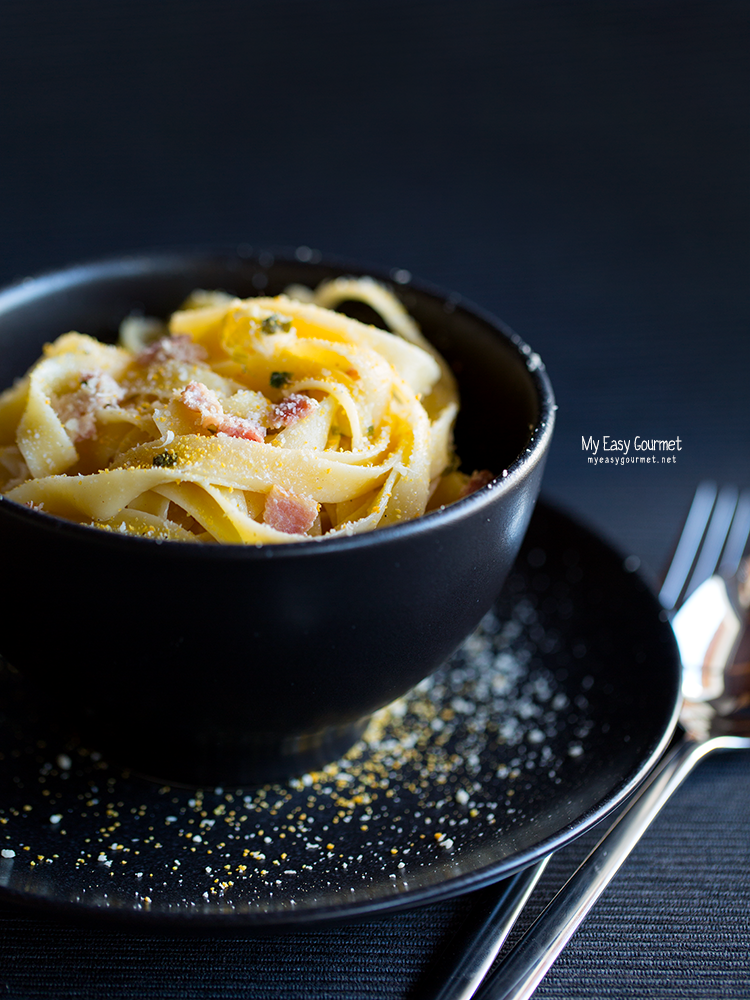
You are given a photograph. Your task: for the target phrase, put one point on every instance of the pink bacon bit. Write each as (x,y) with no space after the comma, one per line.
(287,512)
(202,401)
(475,482)
(291,409)
(77,410)
(181,347)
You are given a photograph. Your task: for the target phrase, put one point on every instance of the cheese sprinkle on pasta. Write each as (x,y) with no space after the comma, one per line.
(248,421)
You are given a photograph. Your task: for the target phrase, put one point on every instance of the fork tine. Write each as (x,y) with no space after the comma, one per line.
(738,536)
(688,545)
(716,536)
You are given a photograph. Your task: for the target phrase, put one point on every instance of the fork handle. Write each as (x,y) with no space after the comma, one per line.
(520,973)
(470,955)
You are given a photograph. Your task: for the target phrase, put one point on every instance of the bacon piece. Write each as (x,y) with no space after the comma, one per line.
(476,481)
(291,409)
(240,427)
(287,512)
(181,347)
(204,402)
(201,400)
(77,410)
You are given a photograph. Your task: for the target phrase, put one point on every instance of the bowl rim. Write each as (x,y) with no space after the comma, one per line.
(26,289)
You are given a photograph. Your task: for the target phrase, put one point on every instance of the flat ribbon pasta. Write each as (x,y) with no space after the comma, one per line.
(255,421)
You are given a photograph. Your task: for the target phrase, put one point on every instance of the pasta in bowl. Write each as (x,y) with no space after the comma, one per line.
(239,663)
(258,421)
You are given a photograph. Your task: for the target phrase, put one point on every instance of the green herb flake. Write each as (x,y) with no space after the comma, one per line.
(279,379)
(275,324)
(164,460)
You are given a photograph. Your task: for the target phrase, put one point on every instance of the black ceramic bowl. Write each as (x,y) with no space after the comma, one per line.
(234,664)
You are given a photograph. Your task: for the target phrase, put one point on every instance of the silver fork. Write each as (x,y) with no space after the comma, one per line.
(714,537)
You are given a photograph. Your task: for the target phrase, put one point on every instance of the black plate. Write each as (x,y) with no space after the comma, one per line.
(545,720)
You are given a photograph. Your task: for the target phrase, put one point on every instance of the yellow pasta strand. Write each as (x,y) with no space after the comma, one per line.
(257,421)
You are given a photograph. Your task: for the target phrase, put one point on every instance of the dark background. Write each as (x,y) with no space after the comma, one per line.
(579,168)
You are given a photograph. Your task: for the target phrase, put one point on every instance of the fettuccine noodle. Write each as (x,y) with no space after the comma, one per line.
(251,421)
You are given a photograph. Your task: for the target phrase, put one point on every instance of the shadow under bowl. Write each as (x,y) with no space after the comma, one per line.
(224,664)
